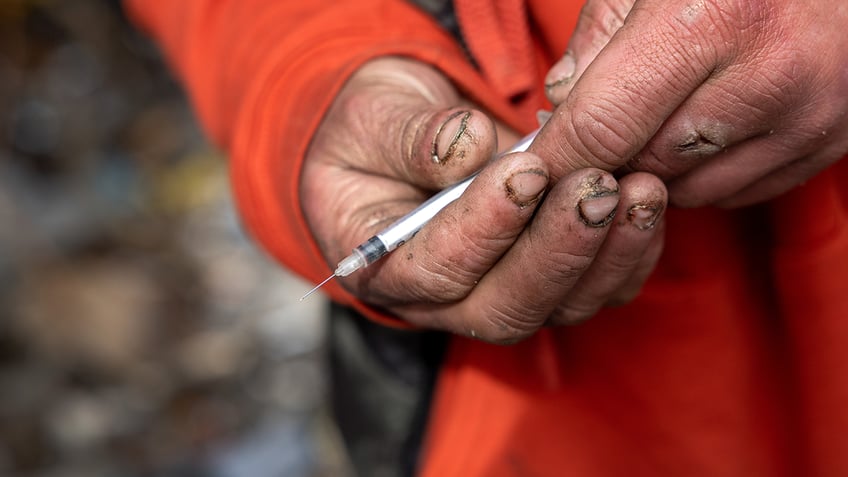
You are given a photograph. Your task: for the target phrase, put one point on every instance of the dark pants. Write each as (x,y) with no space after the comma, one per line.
(382,384)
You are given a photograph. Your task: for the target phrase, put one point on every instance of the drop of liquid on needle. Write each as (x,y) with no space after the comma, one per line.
(317,287)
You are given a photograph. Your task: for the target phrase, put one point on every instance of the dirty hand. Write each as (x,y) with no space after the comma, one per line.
(485,266)
(730,101)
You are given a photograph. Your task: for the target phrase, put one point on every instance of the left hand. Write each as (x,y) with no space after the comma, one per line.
(731,102)
(498,263)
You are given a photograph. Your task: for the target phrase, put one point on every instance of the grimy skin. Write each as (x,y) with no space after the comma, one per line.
(731,102)
(726,102)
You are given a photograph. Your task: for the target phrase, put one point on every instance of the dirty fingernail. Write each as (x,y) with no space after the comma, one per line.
(448,135)
(598,201)
(561,72)
(525,188)
(598,211)
(644,216)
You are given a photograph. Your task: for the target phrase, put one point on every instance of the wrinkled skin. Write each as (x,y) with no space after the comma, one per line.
(729,102)
(498,263)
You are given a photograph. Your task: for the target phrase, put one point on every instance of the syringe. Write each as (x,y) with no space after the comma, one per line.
(404,228)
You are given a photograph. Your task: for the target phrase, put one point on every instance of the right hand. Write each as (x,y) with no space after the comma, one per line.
(730,102)
(497,264)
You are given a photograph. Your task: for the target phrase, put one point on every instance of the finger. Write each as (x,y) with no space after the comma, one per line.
(751,102)
(781,180)
(762,167)
(518,294)
(727,173)
(598,22)
(400,119)
(789,133)
(447,258)
(631,289)
(627,256)
(664,51)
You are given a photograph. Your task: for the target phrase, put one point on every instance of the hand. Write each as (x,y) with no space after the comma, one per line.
(498,263)
(730,101)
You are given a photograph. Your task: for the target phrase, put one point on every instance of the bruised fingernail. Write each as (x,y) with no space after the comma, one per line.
(598,201)
(644,216)
(526,187)
(447,136)
(561,72)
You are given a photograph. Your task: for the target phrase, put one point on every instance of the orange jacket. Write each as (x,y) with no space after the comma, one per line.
(732,362)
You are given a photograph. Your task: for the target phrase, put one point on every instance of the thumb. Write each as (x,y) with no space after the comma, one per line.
(404,120)
(599,20)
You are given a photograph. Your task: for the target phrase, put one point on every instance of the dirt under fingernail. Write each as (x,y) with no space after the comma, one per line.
(448,135)
(598,211)
(562,72)
(644,216)
(599,201)
(525,188)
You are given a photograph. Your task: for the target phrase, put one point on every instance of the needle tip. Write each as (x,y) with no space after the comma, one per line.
(317,287)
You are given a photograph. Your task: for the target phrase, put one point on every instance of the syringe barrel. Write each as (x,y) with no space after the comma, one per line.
(407,226)
(404,228)
(365,254)
(372,250)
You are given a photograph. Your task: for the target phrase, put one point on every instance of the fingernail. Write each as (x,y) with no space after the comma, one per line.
(447,136)
(526,187)
(598,201)
(561,72)
(542,116)
(644,216)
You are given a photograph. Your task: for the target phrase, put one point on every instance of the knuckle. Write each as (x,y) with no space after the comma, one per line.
(601,132)
(440,283)
(562,266)
(448,274)
(415,286)
(508,326)
(727,19)
(742,28)
(804,97)
(777,76)
(482,235)
(742,15)
(708,31)
(400,126)
(559,266)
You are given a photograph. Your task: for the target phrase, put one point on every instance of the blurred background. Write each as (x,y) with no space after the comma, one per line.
(141,333)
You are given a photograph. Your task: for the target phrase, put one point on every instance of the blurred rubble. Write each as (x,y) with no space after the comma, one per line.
(141,334)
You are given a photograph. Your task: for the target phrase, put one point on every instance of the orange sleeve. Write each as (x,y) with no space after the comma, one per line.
(261,73)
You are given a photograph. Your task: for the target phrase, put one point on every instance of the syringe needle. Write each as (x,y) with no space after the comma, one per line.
(350,264)
(317,287)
